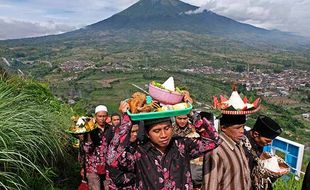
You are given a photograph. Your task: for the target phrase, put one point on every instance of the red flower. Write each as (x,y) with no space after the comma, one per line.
(100,169)
(83,186)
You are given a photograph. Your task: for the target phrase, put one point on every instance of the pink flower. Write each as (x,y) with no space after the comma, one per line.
(166,175)
(161,180)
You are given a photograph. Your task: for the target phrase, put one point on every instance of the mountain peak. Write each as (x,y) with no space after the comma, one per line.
(163,2)
(151,14)
(157,7)
(170,15)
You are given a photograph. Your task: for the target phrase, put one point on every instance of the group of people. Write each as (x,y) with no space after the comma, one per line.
(184,152)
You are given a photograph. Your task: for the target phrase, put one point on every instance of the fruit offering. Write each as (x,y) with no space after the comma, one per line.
(82,125)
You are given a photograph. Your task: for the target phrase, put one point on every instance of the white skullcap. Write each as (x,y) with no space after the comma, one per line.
(101,108)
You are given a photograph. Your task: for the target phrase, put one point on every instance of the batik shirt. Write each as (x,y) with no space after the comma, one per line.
(95,157)
(171,170)
(123,178)
(255,147)
(182,131)
(196,164)
(252,153)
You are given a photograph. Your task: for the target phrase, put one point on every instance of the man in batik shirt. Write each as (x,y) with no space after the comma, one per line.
(163,162)
(184,128)
(124,178)
(95,145)
(264,131)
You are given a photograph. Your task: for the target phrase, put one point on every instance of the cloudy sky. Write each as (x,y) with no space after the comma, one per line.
(27,18)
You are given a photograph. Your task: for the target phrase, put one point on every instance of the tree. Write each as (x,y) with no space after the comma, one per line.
(239,68)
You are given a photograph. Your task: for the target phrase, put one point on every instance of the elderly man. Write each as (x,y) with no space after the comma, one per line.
(95,146)
(226,168)
(163,161)
(264,131)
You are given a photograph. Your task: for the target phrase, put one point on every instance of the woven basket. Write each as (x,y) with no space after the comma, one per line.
(261,177)
(285,168)
(240,112)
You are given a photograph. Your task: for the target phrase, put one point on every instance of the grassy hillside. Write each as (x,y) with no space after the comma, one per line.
(34,148)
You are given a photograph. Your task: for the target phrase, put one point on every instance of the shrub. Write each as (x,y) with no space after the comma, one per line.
(32,139)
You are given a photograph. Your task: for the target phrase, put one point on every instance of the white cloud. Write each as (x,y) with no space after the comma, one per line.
(285,15)
(43,17)
(12,29)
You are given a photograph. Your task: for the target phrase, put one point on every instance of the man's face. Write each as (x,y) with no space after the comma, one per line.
(160,135)
(235,132)
(116,120)
(101,117)
(181,120)
(260,140)
(134,133)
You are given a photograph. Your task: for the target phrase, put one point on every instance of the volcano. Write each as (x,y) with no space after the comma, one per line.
(173,15)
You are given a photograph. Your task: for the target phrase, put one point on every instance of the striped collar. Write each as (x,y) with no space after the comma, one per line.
(232,144)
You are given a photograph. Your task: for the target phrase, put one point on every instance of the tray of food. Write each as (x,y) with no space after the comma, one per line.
(161,112)
(81,125)
(164,100)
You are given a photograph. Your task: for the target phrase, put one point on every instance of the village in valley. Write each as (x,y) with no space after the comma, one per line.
(266,84)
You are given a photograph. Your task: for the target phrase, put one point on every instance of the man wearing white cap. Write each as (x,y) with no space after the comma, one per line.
(101,114)
(98,144)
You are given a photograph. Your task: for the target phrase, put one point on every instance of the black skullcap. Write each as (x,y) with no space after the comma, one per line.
(228,120)
(267,127)
(150,122)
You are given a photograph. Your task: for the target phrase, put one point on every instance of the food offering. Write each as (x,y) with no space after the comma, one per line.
(166,93)
(81,125)
(165,101)
(274,164)
(138,103)
(269,167)
(235,105)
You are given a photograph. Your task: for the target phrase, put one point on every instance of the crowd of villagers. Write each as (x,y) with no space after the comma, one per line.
(184,152)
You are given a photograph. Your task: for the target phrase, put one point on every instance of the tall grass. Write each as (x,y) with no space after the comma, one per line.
(32,141)
(288,183)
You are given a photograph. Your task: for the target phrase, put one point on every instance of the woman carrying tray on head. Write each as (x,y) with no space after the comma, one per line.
(163,162)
